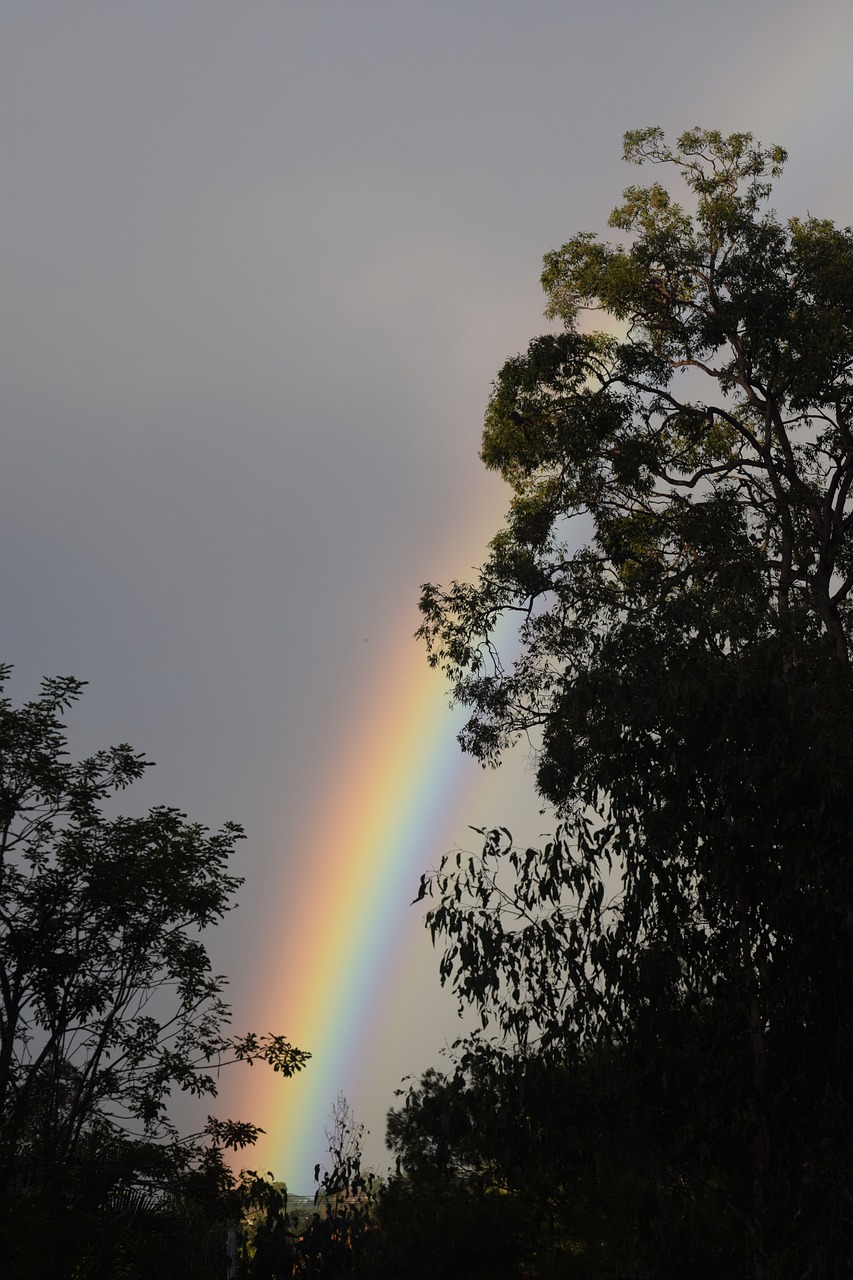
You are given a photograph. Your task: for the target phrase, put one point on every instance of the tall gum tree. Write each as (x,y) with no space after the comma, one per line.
(685,673)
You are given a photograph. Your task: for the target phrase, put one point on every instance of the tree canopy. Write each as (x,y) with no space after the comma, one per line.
(678,555)
(704,435)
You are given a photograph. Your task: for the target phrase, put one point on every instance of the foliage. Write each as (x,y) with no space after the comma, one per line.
(708,447)
(270,1238)
(338,1239)
(438,1227)
(686,934)
(561,1168)
(107,999)
(335,1238)
(450,1209)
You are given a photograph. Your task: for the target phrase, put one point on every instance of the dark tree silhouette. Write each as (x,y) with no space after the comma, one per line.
(683,672)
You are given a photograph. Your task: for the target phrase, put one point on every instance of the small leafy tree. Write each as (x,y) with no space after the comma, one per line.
(107,999)
(451,1209)
(518,1165)
(683,669)
(337,1241)
(270,1239)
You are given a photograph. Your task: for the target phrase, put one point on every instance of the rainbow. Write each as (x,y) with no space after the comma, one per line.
(340,953)
(396,782)
(342,939)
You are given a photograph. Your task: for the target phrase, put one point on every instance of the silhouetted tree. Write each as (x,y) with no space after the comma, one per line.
(107,999)
(684,940)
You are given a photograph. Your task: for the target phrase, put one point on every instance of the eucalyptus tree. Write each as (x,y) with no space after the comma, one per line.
(678,555)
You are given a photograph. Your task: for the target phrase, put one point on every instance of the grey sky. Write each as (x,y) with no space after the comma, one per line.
(260,263)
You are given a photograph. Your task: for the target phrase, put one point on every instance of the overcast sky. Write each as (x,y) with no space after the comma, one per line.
(260,263)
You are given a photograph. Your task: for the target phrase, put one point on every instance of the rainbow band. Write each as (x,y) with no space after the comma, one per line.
(394,783)
(342,941)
